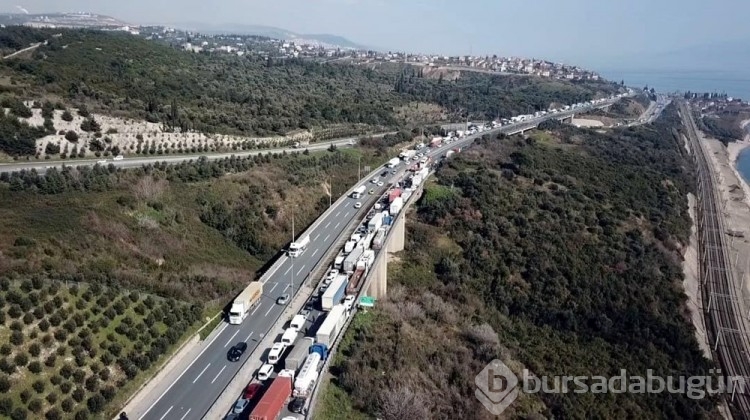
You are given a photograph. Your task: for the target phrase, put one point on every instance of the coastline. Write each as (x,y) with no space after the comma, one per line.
(733,153)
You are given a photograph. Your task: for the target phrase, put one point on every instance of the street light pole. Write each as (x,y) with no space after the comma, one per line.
(291,275)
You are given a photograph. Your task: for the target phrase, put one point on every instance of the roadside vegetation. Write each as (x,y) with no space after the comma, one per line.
(70,349)
(559,253)
(179,92)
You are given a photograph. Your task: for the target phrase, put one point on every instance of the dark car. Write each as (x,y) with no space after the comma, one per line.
(252,391)
(297,405)
(236,351)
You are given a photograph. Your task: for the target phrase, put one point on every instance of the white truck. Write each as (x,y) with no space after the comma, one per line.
(338,262)
(351,260)
(359,192)
(393,163)
(297,248)
(406,155)
(244,302)
(349,246)
(335,292)
(331,326)
(307,376)
(375,223)
(297,356)
(396,206)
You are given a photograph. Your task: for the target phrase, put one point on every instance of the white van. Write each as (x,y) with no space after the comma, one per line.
(289,337)
(275,354)
(297,322)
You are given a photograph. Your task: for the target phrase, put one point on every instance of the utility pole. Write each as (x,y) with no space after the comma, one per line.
(291,274)
(359,167)
(330,192)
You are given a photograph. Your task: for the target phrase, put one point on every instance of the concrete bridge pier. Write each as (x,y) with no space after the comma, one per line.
(378,287)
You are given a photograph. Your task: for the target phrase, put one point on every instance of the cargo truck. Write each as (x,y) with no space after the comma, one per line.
(407,154)
(366,241)
(244,302)
(393,194)
(331,326)
(359,192)
(321,349)
(274,399)
(377,243)
(351,260)
(307,376)
(375,223)
(396,206)
(295,358)
(363,267)
(393,163)
(334,293)
(349,246)
(297,248)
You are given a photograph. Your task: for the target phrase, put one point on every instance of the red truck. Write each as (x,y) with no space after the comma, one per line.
(393,195)
(351,288)
(273,400)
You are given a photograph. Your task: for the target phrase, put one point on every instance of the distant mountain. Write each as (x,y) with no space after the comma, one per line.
(271,32)
(61,20)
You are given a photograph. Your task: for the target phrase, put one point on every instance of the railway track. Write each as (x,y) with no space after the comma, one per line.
(723,308)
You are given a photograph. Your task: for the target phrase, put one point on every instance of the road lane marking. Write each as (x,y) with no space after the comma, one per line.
(287,270)
(337,214)
(165,414)
(249,335)
(185,415)
(326,239)
(223,327)
(337,225)
(329,224)
(199,375)
(287,286)
(316,237)
(274,285)
(300,270)
(268,311)
(314,252)
(346,215)
(256,308)
(231,338)
(217,375)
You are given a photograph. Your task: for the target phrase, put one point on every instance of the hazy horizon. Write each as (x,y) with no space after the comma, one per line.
(636,35)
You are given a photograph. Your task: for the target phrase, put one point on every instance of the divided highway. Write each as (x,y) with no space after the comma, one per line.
(192,394)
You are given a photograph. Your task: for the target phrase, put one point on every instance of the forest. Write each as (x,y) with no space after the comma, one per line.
(128,76)
(560,253)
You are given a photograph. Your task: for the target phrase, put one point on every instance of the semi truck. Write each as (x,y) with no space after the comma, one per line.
(307,376)
(359,192)
(393,163)
(297,248)
(406,155)
(244,302)
(274,400)
(351,260)
(363,267)
(295,358)
(377,243)
(349,246)
(396,206)
(375,223)
(393,194)
(334,293)
(331,326)
(321,349)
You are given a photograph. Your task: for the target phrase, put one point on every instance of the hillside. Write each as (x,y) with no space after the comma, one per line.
(127,76)
(559,254)
(196,232)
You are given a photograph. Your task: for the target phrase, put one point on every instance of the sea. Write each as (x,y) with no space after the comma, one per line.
(733,83)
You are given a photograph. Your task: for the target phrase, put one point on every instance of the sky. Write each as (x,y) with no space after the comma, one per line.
(592,33)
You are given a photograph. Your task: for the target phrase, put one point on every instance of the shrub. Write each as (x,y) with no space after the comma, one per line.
(92,383)
(66,371)
(104,374)
(16,338)
(51,360)
(82,414)
(56,379)
(65,387)
(6,349)
(67,405)
(16,326)
(35,349)
(35,405)
(83,111)
(96,403)
(78,394)
(7,366)
(35,367)
(6,406)
(47,339)
(19,413)
(21,358)
(71,136)
(52,397)
(53,414)
(15,311)
(61,335)
(90,125)
(25,396)
(67,116)
(38,386)
(4,384)
(28,318)
(79,375)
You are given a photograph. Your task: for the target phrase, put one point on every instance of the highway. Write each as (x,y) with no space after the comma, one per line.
(138,161)
(192,394)
(723,308)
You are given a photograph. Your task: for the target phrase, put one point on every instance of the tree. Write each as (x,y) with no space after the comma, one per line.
(83,111)
(67,405)
(4,384)
(71,136)
(19,413)
(67,116)
(95,403)
(90,125)
(52,148)
(35,405)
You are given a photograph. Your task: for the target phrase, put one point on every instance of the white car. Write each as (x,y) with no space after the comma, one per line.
(102,162)
(357,205)
(265,372)
(375,180)
(118,157)
(380,184)
(349,302)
